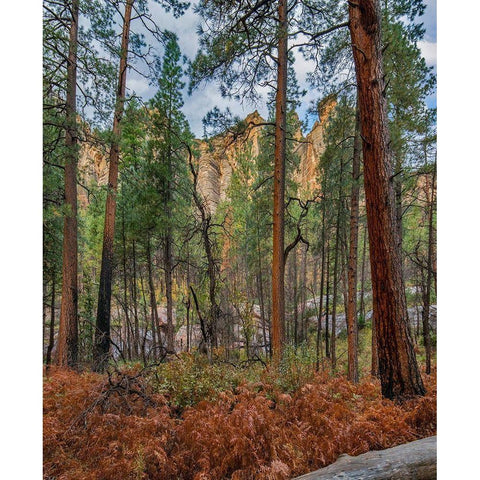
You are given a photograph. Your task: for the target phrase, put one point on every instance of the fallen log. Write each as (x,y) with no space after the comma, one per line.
(411,461)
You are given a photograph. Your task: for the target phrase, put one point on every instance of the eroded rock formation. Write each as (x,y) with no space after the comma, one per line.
(218,158)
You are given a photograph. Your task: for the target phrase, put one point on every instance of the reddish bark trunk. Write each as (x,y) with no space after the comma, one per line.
(278,260)
(67,348)
(398,368)
(352,328)
(426,300)
(51,336)
(102,333)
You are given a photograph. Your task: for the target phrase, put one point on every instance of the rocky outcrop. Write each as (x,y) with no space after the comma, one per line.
(218,158)
(92,170)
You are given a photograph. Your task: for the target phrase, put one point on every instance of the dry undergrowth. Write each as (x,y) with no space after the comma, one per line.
(116,428)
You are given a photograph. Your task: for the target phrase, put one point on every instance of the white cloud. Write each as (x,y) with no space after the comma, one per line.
(429,52)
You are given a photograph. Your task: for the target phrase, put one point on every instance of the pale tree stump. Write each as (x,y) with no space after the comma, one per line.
(412,461)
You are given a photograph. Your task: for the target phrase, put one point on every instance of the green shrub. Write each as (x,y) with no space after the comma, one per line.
(191,379)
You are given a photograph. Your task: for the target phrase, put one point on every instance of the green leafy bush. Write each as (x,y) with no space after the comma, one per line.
(191,379)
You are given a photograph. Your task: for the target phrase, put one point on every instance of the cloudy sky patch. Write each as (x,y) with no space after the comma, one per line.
(207,95)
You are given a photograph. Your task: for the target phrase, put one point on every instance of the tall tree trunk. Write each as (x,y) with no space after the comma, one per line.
(136,323)
(397,187)
(295,297)
(399,374)
(212,290)
(362,279)
(304,333)
(51,337)
(125,288)
(145,319)
(67,348)
(260,291)
(322,283)
(333,339)
(327,305)
(426,298)
(153,300)
(278,261)
(168,265)
(335,272)
(102,333)
(352,329)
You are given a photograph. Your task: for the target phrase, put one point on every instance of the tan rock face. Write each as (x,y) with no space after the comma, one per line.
(92,170)
(218,160)
(218,156)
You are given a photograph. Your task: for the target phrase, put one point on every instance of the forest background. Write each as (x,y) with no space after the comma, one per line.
(21,251)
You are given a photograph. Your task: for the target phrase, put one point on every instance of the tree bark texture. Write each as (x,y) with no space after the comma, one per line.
(412,461)
(352,327)
(338,232)
(168,265)
(51,336)
(156,335)
(399,374)
(102,333)
(278,261)
(426,300)
(327,305)
(67,349)
(322,284)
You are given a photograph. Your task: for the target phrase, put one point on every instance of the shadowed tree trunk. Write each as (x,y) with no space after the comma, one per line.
(335,272)
(322,284)
(362,279)
(327,305)
(426,297)
(136,323)
(67,349)
(352,329)
(102,333)
(51,337)
(278,261)
(125,289)
(294,280)
(168,265)
(156,337)
(399,374)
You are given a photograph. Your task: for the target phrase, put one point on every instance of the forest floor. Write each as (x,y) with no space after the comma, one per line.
(188,419)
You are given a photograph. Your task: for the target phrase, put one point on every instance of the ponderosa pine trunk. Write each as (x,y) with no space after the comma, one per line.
(168,265)
(426,299)
(399,374)
(51,336)
(102,333)
(333,339)
(133,286)
(125,289)
(362,277)
(294,280)
(278,260)
(327,305)
(304,294)
(260,291)
(322,284)
(67,347)
(352,327)
(156,336)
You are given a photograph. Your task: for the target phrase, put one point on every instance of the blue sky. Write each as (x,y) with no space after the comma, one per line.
(207,96)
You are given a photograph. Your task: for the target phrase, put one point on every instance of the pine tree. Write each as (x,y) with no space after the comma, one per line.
(170,139)
(399,373)
(67,351)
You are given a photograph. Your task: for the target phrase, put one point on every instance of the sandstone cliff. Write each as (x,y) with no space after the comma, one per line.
(218,157)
